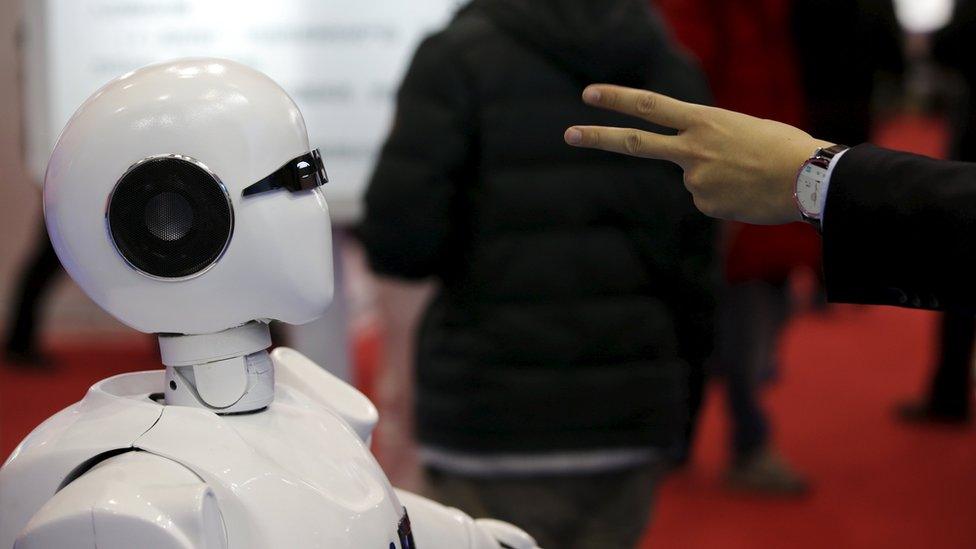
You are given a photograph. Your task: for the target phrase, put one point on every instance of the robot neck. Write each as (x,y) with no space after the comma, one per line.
(227,372)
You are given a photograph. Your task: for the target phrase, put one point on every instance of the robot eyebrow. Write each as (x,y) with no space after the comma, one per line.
(301,173)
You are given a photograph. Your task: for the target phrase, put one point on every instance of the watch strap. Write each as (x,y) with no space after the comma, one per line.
(829,153)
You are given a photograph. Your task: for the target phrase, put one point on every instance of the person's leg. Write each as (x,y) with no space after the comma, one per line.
(587,511)
(22,339)
(951,385)
(616,508)
(545,507)
(680,453)
(780,305)
(753,317)
(744,314)
(454,490)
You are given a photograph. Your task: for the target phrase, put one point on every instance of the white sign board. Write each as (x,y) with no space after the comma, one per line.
(341,60)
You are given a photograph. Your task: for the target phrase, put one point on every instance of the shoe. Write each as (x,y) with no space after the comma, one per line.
(765,473)
(923,413)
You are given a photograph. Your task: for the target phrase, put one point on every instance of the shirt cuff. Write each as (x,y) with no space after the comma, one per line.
(825,188)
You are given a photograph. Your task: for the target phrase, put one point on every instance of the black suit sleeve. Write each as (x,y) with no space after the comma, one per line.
(900,229)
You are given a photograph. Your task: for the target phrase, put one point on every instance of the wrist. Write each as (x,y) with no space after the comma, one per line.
(798,156)
(812,182)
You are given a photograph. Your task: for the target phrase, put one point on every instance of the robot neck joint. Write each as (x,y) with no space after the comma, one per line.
(226,372)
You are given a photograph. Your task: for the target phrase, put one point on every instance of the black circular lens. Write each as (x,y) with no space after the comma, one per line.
(170,217)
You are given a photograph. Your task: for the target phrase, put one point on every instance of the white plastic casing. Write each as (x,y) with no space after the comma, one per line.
(298,474)
(242,126)
(136,498)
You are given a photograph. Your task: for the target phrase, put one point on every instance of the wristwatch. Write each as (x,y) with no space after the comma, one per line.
(810,184)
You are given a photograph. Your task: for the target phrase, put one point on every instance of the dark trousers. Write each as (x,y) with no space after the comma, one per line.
(751,319)
(591,511)
(951,384)
(32,286)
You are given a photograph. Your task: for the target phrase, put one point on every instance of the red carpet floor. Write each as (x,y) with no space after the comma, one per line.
(878,484)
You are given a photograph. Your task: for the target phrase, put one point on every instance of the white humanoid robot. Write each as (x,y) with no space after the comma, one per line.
(184,199)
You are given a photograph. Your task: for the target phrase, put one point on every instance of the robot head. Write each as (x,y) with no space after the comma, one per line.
(184,198)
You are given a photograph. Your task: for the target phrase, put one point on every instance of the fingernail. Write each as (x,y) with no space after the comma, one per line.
(591,95)
(574,136)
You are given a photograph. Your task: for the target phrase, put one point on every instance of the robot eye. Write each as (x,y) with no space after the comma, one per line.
(298,174)
(170,218)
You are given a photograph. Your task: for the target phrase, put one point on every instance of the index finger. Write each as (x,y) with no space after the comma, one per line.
(626,141)
(653,107)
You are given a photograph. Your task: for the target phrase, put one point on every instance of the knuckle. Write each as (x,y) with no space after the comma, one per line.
(634,143)
(701,155)
(703,205)
(711,209)
(592,138)
(646,104)
(713,206)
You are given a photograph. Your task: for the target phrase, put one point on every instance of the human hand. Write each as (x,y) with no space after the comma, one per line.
(736,166)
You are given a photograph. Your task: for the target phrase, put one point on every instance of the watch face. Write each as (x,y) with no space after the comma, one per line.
(808,189)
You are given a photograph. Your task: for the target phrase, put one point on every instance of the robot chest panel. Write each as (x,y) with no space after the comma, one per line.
(291,476)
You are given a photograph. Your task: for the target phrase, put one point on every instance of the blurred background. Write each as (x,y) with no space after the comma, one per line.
(811,425)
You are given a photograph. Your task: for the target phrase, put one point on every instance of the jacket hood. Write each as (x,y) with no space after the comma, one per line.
(614,41)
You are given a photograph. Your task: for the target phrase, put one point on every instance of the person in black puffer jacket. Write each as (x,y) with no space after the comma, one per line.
(576,288)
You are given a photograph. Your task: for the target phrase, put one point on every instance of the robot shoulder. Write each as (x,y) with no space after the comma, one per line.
(132,496)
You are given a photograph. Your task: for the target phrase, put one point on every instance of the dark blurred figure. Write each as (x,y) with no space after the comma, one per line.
(575,289)
(22,345)
(950,389)
(22,342)
(952,47)
(746,50)
(840,64)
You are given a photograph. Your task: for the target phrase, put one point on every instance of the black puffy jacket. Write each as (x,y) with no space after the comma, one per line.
(576,285)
